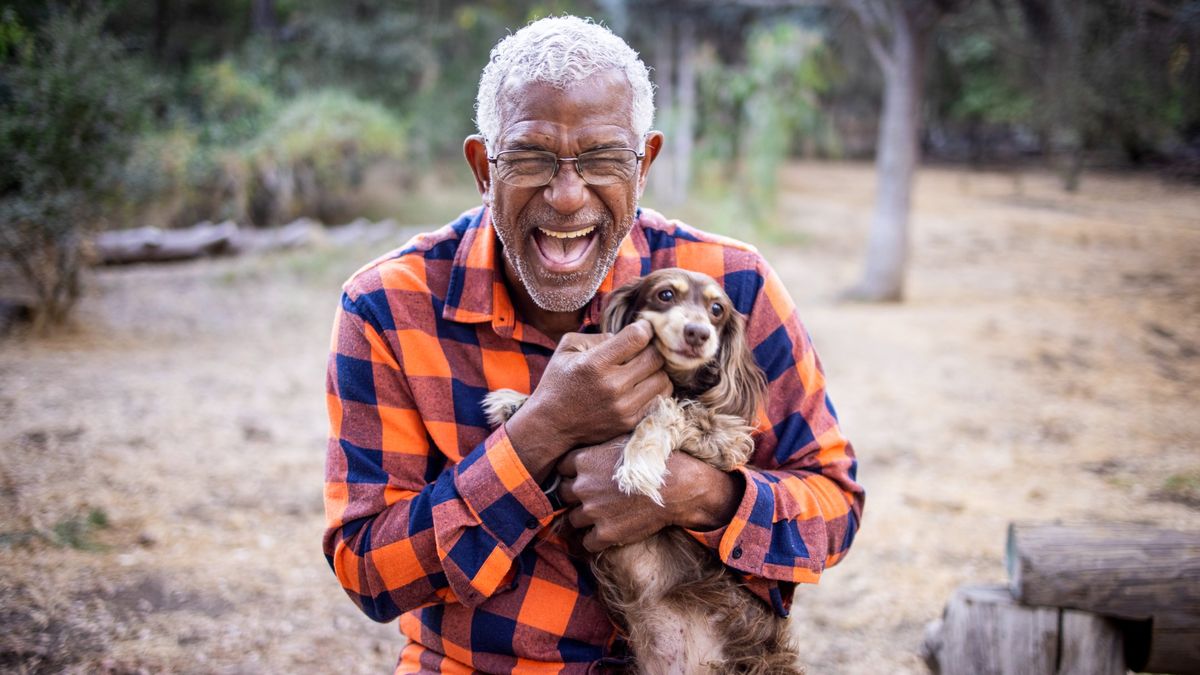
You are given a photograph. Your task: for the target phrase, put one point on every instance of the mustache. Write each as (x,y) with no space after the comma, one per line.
(550,219)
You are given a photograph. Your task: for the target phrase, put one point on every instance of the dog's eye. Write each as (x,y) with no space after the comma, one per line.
(666,295)
(716,309)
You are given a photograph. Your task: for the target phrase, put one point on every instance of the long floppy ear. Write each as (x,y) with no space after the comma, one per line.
(620,309)
(741,384)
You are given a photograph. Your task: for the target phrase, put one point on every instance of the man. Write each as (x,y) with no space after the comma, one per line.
(441,520)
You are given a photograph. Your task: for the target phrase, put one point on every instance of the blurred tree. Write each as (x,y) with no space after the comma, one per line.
(70,105)
(1117,73)
(898,33)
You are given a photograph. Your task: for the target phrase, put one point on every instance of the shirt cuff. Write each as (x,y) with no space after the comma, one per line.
(498,489)
(745,544)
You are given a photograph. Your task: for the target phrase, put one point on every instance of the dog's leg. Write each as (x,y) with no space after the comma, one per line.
(667,638)
(502,404)
(723,441)
(643,467)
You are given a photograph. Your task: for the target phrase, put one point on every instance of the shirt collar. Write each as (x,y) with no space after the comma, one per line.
(477,292)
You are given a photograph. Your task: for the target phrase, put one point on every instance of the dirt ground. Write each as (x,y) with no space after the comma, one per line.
(161,464)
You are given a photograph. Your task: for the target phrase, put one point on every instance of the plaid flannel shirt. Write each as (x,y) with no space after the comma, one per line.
(431,515)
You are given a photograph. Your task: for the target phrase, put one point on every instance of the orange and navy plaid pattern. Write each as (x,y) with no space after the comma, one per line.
(433,518)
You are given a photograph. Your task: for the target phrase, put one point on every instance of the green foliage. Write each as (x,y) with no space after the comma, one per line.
(234,104)
(72,102)
(988,93)
(757,114)
(313,156)
(78,532)
(13,36)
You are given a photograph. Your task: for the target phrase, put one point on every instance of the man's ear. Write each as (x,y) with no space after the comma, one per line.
(654,143)
(475,150)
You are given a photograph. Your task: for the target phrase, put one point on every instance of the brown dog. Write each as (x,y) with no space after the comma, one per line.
(683,610)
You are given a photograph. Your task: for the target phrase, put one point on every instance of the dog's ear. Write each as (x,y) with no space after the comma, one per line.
(741,384)
(620,309)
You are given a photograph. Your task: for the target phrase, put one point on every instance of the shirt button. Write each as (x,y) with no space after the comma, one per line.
(736,552)
(532,523)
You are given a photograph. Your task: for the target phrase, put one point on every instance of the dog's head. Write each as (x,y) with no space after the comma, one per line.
(699,333)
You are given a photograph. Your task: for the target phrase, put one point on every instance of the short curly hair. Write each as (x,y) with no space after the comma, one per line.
(559,51)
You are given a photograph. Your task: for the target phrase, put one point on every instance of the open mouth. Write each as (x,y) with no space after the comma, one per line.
(563,252)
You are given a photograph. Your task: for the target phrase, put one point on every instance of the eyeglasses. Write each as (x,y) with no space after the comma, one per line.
(535,168)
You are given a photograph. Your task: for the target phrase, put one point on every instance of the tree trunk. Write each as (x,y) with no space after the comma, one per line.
(664,76)
(263,18)
(898,35)
(685,109)
(896,157)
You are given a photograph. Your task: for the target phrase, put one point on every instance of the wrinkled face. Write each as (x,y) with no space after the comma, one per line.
(560,240)
(689,313)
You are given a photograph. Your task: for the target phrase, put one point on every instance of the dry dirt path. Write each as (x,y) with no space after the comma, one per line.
(160,466)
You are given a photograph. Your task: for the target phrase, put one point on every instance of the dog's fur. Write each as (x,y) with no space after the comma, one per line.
(683,610)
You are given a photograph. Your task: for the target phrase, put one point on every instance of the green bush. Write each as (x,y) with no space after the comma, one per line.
(71,103)
(174,179)
(310,160)
(234,104)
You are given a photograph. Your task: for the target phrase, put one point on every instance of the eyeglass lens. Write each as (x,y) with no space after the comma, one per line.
(534,168)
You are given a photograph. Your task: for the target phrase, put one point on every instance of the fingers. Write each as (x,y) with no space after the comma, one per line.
(646,361)
(580,342)
(626,344)
(649,390)
(578,519)
(566,491)
(591,542)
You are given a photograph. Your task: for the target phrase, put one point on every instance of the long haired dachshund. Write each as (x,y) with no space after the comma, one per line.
(683,610)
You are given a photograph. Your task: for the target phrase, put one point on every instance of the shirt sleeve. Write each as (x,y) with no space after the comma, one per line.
(801,507)
(404,528)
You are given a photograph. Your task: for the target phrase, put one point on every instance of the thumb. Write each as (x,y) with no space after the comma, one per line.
(626,344)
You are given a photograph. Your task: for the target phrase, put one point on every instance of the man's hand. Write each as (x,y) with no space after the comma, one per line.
(594,387)
(696,496)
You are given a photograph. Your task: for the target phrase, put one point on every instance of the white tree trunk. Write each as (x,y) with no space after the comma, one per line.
(685,110)
(896,156)
(664,79)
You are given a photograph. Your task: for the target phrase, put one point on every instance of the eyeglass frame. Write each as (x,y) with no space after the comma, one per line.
(637,156)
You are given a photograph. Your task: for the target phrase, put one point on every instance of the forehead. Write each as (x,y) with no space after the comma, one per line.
(596,109)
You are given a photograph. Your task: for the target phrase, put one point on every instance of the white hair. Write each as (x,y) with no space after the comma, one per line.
(560,51)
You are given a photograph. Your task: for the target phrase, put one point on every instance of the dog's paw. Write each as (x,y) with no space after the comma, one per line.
(499,406)
(641,477)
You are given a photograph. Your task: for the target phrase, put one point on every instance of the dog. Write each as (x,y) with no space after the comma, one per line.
(682,610)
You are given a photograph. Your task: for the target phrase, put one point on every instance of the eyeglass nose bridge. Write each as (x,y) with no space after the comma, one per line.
(558,161)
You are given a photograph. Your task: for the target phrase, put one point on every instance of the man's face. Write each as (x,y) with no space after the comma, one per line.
(561,239)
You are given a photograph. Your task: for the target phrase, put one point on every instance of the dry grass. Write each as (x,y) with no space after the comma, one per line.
(160,479)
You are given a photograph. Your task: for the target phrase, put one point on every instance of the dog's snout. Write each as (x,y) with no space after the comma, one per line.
(696,334)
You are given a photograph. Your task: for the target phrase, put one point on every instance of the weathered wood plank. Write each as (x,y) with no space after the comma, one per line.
(1127,571)
(1090,644)
(985,632)
(1174,645)
(1148,576)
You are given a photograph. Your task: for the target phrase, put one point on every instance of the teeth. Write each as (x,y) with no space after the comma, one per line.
(568,235)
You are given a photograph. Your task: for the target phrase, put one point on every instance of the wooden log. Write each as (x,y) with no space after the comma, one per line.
(1147,576)
(983,630)
(150,244)
(1173,645)
(1090,644)
(1127,571)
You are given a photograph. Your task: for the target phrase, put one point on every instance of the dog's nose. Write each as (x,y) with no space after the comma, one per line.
(696,334)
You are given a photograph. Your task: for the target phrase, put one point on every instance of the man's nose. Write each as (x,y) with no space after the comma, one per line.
(566,193)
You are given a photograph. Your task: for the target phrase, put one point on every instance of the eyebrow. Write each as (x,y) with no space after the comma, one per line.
(525,145)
